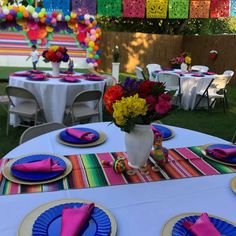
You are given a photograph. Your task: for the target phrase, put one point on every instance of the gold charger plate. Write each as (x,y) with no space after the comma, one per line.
(25,228)
(214,159)
(167,228)
(172,131)
(102,139)
(233,184)
(7,171)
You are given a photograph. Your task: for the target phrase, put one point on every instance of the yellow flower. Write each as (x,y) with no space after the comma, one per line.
(188,60)
(54,48)
(129,108)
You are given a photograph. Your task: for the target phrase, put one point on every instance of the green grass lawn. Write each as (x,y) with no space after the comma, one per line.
(215,122)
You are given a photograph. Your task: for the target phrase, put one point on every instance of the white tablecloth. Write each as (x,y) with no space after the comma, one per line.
(54,95)
(139,209)
(190,86)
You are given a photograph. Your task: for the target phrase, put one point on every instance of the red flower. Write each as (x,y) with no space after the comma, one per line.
(113,94)
(151,101)
(145,88)
(164,104)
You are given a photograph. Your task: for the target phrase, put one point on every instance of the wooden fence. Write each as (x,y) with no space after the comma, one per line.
(142,49)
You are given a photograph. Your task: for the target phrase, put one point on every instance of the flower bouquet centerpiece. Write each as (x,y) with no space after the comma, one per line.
(183,61)
(134,105)
(55,55)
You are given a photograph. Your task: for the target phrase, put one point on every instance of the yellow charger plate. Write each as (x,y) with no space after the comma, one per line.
(7,171)
(25,228)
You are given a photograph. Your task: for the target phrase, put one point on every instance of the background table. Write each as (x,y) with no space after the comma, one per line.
(54,95)
(190,86)
(139,209)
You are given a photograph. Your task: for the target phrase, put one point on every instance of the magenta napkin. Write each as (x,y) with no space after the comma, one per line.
(73,219)
(156,131)
(197,75)
(209,73)
(202,226)
(70,79)
(47,165)
(221,152)
(37,77)
(80,134)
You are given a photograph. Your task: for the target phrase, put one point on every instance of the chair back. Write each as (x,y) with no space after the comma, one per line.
(35,131)
(169,79)
(229,73)
(200,68)
(151,68)
(89,95)
(139,73)
(18,92)
(219,82)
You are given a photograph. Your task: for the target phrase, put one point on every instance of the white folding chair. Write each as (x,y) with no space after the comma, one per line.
(215,90)
(200,68)
(85,105)
(229,73)
(139,73)
(4,101)
(28,107)
(172,83)
(151,68)
(37,130)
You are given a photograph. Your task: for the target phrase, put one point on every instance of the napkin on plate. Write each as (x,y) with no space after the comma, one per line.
(83,135)
(209,73)
(197,75)
(47,165)
(221,152)
(74,219)
(156,131)
(70,79)
(202,226)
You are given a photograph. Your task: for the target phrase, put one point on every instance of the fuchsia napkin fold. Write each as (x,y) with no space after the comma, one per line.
(47,165)
(202,226)
(74,219)
(80,134)
(221,152)
(70,79)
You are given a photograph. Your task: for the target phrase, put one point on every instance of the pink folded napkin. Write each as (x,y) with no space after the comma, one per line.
(156,131)
(221,152)
(80,134)
(74,219)
(70,79)
(37,77)
(202,226)
(47,165)
(198,75)
(209,73)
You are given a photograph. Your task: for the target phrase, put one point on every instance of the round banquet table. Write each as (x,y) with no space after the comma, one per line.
(139,209)
(54,95)
(190,87)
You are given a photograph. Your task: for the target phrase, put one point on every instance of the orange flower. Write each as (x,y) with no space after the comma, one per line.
(113,94)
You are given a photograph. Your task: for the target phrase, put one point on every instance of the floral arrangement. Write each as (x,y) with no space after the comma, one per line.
(116,54)
(136,102)
(56,54)
(213,54)
(184,57)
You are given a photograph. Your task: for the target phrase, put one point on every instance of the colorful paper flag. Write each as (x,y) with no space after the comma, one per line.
(85,6)
(219,8)
(199,9)
(178,9)
(134,8)
(156,8)
(233,8)
(109,7)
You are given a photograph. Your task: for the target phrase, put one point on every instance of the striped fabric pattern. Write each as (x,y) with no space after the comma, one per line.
(88,172)
(14,43)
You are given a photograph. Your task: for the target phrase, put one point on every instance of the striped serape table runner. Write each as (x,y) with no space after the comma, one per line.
(88,171)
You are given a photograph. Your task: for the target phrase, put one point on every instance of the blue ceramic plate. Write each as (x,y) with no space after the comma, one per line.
(166,132)
(49,222)
(222,226)
(37,176)
(231,159)
(70,139)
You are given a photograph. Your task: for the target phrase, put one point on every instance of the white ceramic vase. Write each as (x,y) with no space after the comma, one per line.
(56,68)
(116,70)
(184,67)
(138,144)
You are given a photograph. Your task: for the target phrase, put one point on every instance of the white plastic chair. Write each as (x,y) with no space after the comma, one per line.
(27,108)
(172,83)
(229,73)
(4,101)
(215,90)
(139,73)
(151,68)
(200,68)
(85,105)
(37,130)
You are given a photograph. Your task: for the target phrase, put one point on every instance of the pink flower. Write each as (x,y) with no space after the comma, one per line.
(164,104)
(151,101)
